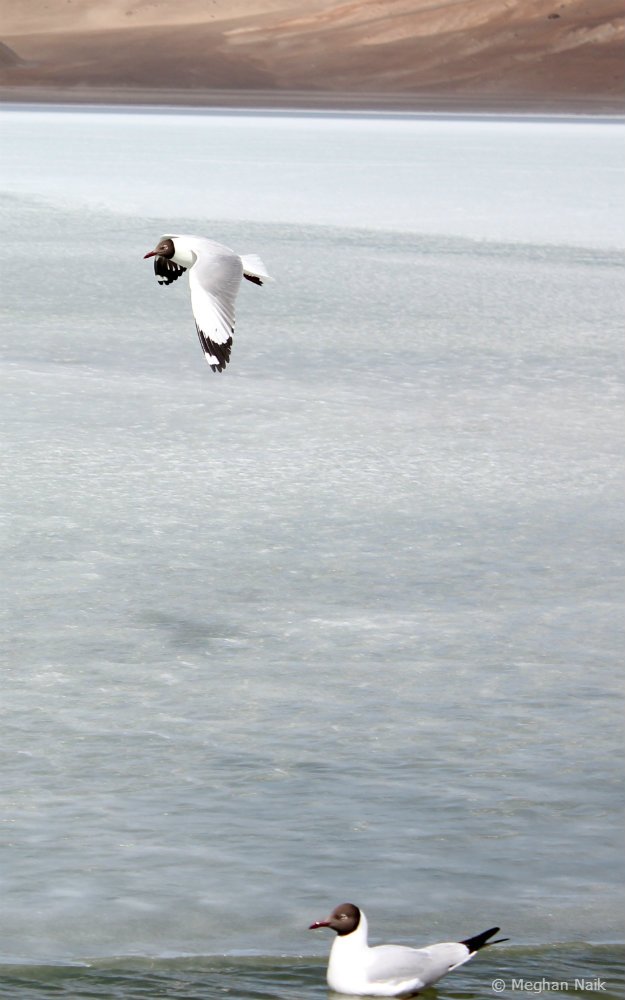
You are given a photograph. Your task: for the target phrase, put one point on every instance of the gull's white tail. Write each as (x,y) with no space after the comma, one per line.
(254,269)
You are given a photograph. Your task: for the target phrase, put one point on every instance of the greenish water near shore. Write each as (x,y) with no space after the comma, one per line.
(574,970)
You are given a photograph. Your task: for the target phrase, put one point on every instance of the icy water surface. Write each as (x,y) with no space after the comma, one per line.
(343,622)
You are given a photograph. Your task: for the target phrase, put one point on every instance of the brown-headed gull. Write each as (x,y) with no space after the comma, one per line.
(215,273)
(389,970)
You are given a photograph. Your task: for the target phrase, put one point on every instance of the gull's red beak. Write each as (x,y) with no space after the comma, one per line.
(319,923)
(152,253)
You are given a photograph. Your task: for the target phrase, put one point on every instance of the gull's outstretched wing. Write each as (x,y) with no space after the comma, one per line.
(214,281)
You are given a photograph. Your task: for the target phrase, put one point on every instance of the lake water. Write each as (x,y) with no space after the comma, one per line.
(343,623)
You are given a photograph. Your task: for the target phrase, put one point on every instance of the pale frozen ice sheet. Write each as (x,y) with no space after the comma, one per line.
(514,180)
(339,623)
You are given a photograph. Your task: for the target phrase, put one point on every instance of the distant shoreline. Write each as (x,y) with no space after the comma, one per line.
(293,100)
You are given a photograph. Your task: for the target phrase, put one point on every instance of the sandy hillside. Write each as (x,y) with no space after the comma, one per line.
(509,49)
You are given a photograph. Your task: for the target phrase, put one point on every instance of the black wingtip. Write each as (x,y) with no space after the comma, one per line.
(253,277)
(481,940)
(166,270)
(217,355)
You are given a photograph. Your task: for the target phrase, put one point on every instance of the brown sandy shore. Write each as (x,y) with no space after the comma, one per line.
(268,100)
(464,56)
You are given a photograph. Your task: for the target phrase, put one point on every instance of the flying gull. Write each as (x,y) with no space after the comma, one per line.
(215,273)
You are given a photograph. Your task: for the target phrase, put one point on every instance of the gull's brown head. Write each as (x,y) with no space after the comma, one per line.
(344,919)
(164,249)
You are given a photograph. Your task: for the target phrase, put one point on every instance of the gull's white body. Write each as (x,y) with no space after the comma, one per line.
(388,970)
(215,274)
